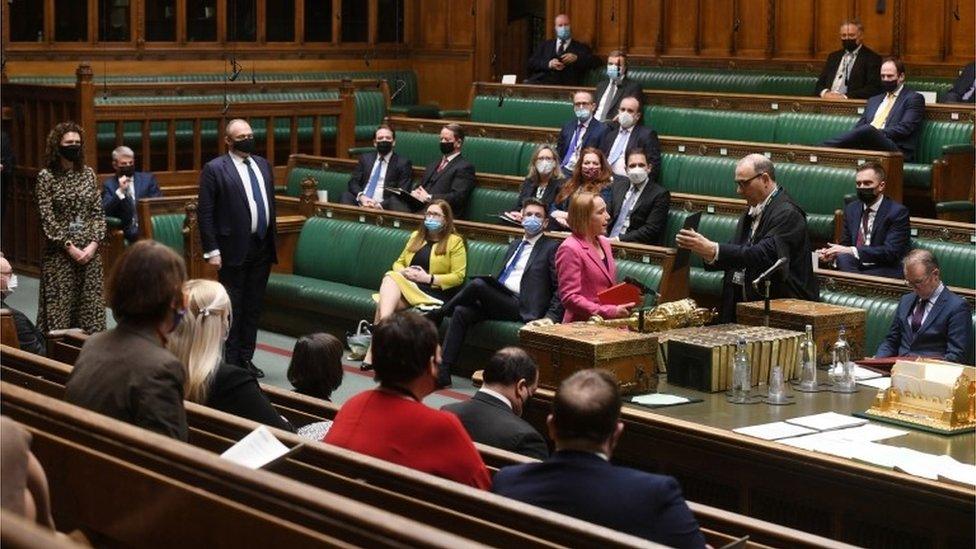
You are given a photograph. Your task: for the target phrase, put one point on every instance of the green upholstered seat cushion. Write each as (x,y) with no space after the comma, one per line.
(168,229)
(340,251)
(420,148)
(329,298)
(334,182)
(879,311)
(810,129)
(917,176)
(647,273)
(957,261)
(485,203)
(485,258)
(491,335)
(522,111)
(732,125)
(938,134)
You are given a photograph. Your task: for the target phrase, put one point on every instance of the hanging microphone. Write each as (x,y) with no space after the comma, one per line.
(779,263)
(401,84)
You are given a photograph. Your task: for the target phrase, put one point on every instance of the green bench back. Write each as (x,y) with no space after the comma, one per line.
(524,111)
(168,229)
(957,261)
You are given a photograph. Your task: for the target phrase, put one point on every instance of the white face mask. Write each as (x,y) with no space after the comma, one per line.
(12,283)
(637,175)
(626,120)
(544,167)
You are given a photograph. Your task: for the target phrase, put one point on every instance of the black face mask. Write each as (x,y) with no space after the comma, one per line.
(245,146)
(384,147)
(849,44)
(127,171)
(447,148)
(889,86)
(866,196)
(70,153)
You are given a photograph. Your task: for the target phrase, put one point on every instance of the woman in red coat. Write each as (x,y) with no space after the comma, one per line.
(391,423)
(584,261)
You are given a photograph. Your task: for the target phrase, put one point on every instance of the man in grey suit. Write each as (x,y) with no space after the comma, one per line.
(491,416)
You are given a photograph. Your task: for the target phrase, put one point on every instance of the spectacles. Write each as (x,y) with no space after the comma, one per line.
(744,182)
(921,281)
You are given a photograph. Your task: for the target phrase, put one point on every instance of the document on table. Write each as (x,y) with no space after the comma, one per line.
(865,373)
(880,383)
(827,421)
(774,431)
(257,449)
(659,399)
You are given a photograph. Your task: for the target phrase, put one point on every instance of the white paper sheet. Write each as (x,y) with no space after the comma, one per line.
(863,373)
(256,450)
(880,383)
(659,399)
(773,431)
(827,421)
(868,433)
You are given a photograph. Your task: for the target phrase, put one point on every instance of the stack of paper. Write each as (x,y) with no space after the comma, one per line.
(827,421)
(257,449)
(659,399)
(774,431)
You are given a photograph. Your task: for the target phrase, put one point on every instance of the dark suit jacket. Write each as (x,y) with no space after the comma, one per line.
(864,79)
(947,331)
(224,216)
(962,85)
(890,239)
(145,186)
(648,218)
(585,486)
(572,75)
(548,196)
(29,338)
(453,184)
(641,137)
(782,230)
(625,88)
(399,173)
(594,133)
(235,390)
(489,421)
(904,122)
(539,291)
(127,374)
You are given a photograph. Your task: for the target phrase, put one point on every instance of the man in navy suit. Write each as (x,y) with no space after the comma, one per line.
(626,134)
(579,480)
(964,88)
(524,290)
(618,85)
(237,227)
(377,171)
(876,236)
(639,209)
(584,131)
(493,415)
(892,121)
(449,178)
(562,61)
(121,191)
(931,321)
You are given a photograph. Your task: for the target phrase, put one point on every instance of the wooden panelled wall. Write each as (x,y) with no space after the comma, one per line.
(920,31)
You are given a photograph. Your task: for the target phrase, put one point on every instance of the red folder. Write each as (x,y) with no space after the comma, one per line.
(883,365)
(620,294)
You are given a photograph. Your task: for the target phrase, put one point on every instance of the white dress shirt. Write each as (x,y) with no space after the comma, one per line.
(839,83)
(930,303)
(497,395)
(635,190)
(514,279)
(252,206)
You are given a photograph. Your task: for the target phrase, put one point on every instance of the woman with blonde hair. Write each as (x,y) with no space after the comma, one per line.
(543,182)
(198,342)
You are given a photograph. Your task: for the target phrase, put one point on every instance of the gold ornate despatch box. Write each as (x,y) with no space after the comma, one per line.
(563,349)
(826,319)
(934,395)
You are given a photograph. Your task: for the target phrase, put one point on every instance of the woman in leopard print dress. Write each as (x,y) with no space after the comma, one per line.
(74,224)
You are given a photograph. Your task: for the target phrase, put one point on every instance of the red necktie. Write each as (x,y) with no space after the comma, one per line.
(919,313)
(443,164)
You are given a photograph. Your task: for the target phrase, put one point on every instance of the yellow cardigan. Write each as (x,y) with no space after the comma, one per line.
(448,269)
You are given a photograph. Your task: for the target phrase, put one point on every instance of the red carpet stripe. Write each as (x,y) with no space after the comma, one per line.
(355,370)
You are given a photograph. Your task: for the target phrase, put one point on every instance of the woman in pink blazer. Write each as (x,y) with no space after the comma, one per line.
(584,261)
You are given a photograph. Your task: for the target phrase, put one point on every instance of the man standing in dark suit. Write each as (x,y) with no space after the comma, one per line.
(851,72)
(627,134)
(891,121)
(525,289)
(451,178)
(121,191)
(876,236)
(639,210)
(773,228)
(377,171)
(964,88)
(563,61)
(237,227)
(580,133)
(931,321)
(615,87)
(579,480)
(492,415)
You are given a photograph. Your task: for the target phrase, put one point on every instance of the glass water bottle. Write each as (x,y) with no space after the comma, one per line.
(808,362)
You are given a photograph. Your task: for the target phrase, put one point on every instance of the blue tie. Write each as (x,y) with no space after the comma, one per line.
(375,178)
(511,264)
(618,146)
(624,213)
(572,145)
(258,201)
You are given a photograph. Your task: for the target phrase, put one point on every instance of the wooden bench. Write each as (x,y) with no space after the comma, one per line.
(16,532)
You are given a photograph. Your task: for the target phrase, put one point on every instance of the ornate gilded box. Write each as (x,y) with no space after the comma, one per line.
(563,349)
(826,319)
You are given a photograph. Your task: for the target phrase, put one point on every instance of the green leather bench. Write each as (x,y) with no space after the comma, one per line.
(168,229)
(957,261)
(489,155)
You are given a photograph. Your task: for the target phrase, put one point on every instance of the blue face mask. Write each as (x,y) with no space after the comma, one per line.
(433,224)
(583,114)
(562,33)
(532,225)
(613,72)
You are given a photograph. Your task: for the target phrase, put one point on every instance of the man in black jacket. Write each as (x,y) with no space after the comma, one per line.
(524,290)
(377,171)
(618,85)
(964,88)
(29,337)
(639,208)
(774,227)
(449,178)
(853,71)
(491,416)
(561,61)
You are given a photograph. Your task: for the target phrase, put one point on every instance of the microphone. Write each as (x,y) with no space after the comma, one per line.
(501,99)
(401,84)
(779,263)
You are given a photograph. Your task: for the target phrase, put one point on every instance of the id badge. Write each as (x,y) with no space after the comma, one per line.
(75,226)
(739,278)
